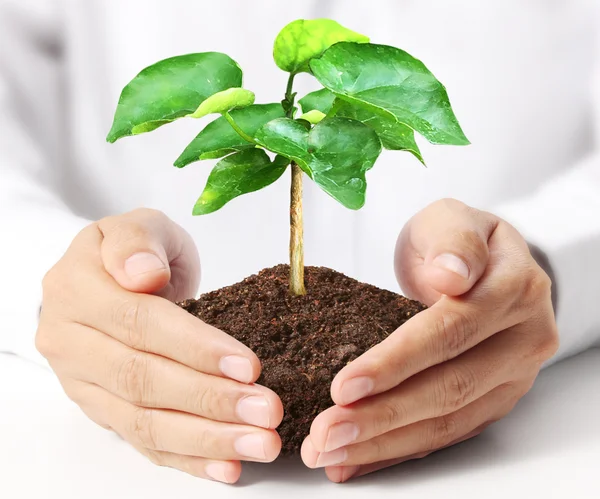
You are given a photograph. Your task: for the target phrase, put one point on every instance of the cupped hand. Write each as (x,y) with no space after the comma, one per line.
(453,369)
(177,389)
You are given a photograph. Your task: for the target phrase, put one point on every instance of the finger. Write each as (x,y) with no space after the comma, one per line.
(443,250)
(340,474)
(221,471)
(218,471)
(179,433)
(424,436)
(151,381)
(146,252)
(511,289)
(143,322)
(440,390)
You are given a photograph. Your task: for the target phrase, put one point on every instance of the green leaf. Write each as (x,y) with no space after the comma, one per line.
(315,116)
(221,102)
(240,173)
(395,136)
(218,139)
(389,82)
(336,153)
(321,100)
(301,40)
(171,89)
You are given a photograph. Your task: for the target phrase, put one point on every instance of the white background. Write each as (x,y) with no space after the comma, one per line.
(549,447)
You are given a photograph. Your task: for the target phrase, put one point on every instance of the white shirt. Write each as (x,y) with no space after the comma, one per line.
(520,74)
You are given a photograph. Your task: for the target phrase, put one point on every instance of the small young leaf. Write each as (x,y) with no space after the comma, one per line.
(336,153)
(389,82)
(395,136)
(171,89)
(221,102)
(315,116)
(218,139)
(321,100)
(301,40)
(240,173)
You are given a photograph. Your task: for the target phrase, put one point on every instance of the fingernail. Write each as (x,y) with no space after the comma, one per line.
(332,458)
(254,410)
(217,471)
(340,435)
(448,261)
(251,445)
(142,263)
(236,367)
(356,389)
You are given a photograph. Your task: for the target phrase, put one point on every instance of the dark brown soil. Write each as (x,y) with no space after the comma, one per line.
(303,342)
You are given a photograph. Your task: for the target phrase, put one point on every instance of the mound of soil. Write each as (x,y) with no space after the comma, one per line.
(303,342)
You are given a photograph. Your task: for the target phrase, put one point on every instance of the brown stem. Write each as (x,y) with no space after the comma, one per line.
(296,234)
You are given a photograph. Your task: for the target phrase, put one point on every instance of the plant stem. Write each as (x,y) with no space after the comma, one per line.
(237,128)
(288,93)
(296,220)
(296,234)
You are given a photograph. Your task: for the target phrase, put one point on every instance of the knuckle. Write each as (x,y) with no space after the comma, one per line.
(45,344)
(120,230)
(443,430)
(536,287)
(206,443)
(390,415)
(452,333)
(132,317)
(133,380)
(473,245)
(379,449)
(56,283)
(154,457)
(450,204)
(51,280)
(457,387)
(208,402)
(143,429)
(547,344)
(148,214)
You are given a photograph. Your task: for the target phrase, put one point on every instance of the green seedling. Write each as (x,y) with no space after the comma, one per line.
(373,97)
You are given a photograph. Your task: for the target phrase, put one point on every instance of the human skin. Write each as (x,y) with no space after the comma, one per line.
(178,390)
(182,392)
(452,370)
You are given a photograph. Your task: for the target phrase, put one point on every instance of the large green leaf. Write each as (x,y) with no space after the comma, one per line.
(394,135)
(218,138)
(336,153)
(389,82)
(320,100)
(240,173)
(171,89)
(222,102)
(301,40)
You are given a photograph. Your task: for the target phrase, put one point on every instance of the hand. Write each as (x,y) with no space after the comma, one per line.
(175,388)
(456,367)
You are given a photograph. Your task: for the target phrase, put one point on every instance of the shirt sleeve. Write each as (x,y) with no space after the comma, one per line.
(562,218)
(35,224)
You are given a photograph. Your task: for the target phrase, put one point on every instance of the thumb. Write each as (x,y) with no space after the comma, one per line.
(144,250)
(451,239)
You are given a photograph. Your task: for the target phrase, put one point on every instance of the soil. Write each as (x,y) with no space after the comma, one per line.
(303,342)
